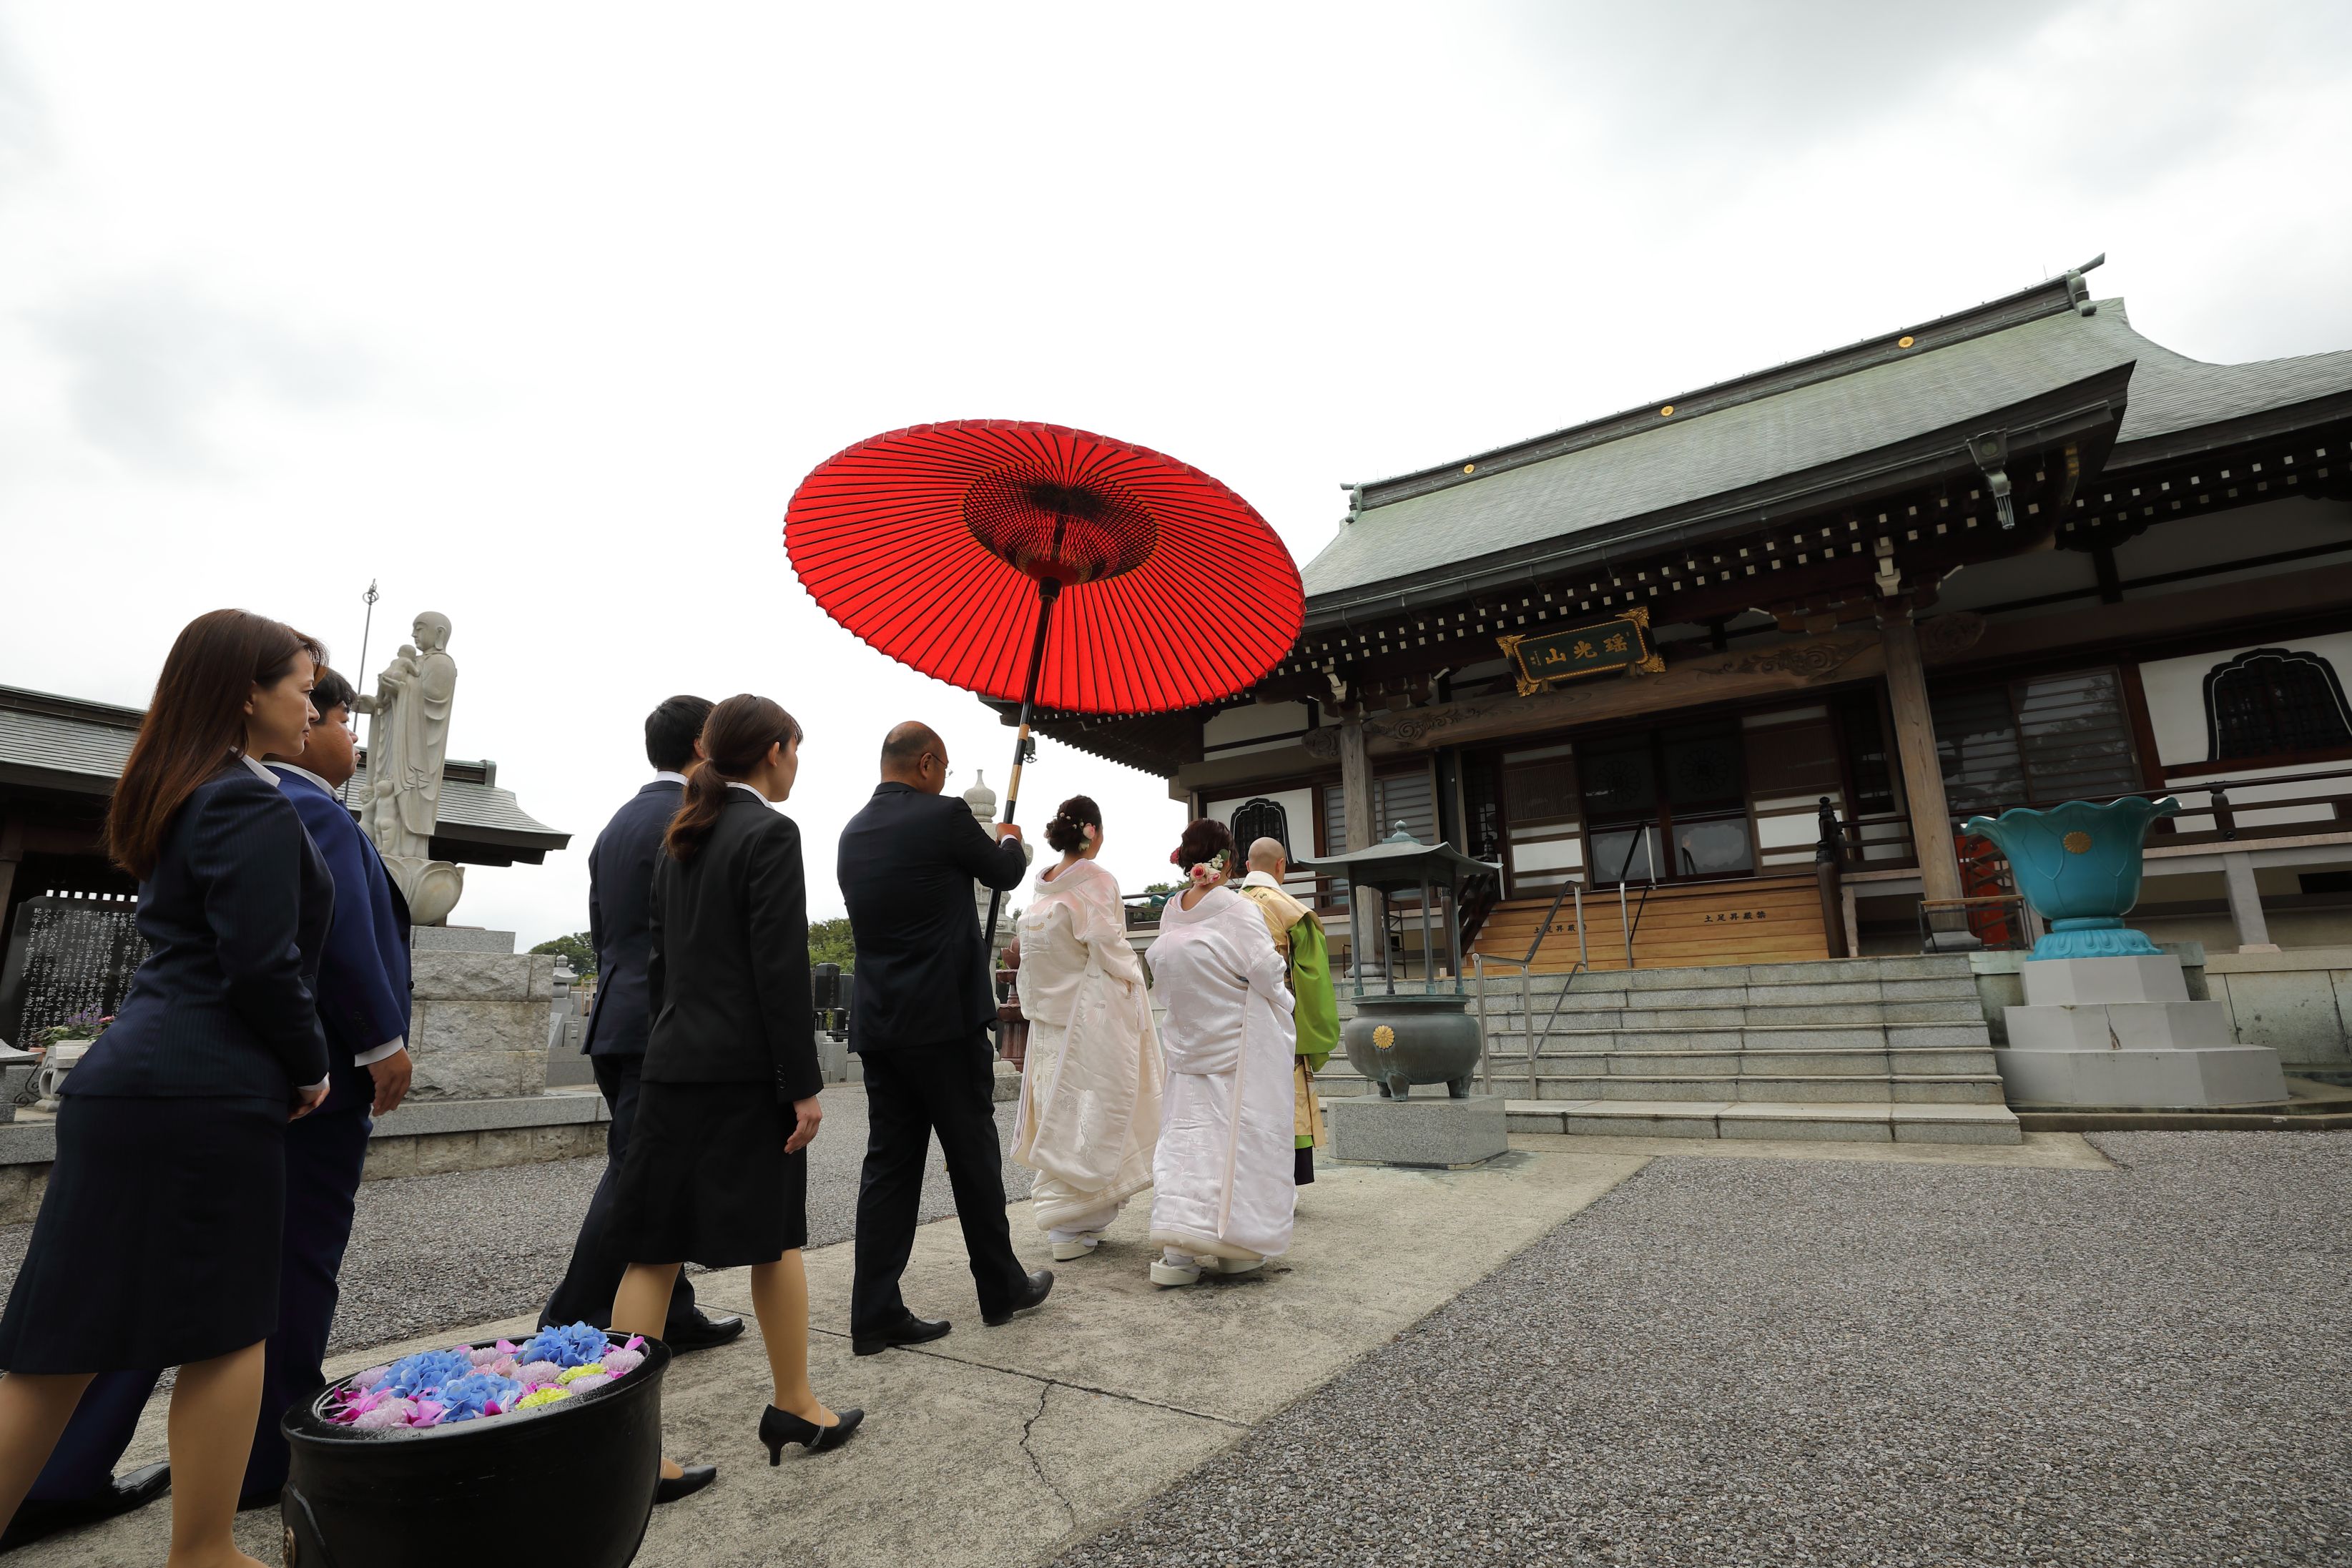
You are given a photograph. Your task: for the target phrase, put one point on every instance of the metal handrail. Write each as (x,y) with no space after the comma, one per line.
(1478,962)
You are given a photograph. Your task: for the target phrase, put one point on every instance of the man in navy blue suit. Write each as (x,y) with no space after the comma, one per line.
(620,892)
(362,997)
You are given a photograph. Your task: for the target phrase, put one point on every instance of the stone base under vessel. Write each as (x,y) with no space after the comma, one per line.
(2122,1031)
(1428,1132)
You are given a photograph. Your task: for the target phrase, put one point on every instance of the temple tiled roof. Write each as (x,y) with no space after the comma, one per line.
(70,744)
(1942,376)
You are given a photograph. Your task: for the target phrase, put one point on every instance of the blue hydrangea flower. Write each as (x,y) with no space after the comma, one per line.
(427,1369)
(574,1346)
(465,1397)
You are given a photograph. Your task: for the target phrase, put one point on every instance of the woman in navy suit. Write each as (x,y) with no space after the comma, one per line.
(157,1243)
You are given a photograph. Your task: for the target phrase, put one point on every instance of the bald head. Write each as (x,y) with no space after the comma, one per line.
(1266,855)
(913,754)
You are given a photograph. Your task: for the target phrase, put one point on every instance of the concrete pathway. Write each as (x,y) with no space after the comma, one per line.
(1005,1446)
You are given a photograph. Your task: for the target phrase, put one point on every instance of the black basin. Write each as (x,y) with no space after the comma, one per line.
(1399,1041)
(571,1482)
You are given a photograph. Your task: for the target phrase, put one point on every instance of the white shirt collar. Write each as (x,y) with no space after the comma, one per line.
(666,777)
(259,771)
(306,773)
(747,790)
(1261,879)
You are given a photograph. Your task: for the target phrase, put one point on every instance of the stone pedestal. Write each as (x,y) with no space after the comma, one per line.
(2123,1033)
(479,1023)
(1447,1134)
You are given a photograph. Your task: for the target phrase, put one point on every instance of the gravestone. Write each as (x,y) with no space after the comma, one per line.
(65,955)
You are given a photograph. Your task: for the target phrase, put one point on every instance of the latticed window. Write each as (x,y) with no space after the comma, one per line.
(2040,741)
(2275,702)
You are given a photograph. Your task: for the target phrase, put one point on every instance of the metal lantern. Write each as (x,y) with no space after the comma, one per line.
(1400,1037)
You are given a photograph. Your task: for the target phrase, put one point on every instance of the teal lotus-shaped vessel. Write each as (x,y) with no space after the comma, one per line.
(2079,866)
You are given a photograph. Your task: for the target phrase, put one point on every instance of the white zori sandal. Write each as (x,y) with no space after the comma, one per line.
(1075,1248)
(1166,1271)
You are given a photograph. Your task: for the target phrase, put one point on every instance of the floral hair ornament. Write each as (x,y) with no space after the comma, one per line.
(1212,869)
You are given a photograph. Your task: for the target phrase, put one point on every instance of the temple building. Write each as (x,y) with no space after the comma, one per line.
(60,757)
(1737,665)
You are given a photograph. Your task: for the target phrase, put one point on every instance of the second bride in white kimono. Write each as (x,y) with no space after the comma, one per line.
(1225,1173)
(1091,1082)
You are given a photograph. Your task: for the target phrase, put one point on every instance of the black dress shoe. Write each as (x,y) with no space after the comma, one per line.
(1041,1285)
(778,1427)
(908,1330)
(694,1478)
(700,1333)
(37,1519)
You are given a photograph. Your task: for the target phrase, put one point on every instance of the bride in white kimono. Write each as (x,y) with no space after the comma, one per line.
(1224,1173)
(1091,1082)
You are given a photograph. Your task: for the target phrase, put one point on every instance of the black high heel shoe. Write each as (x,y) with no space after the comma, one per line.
(669,1488)
(778,1427)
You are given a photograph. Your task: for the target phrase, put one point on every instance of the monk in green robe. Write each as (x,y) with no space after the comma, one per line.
(1307,956)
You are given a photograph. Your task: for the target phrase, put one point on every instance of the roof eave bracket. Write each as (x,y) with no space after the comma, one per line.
(1991,451)
(2078,293)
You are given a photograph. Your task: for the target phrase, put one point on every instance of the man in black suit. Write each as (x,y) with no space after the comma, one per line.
(619,885)
(918,1018)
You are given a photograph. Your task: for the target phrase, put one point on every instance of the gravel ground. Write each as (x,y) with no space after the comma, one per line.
(402,1277)
(1725,1361)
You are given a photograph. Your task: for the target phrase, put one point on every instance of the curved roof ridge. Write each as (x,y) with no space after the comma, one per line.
(2044,299)
(2171,392)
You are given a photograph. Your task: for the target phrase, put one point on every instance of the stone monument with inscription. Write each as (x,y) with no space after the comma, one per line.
(408,740)
(67,955)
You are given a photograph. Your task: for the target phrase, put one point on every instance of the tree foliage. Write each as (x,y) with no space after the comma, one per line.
(830,943)
(577,952)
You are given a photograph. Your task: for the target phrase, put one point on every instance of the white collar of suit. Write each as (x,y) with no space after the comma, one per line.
(1261,879)
(306,773)
(666,777)
(747,790)
(260,773)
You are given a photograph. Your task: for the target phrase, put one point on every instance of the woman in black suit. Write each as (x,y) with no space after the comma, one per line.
(157,1242)
(717,1171)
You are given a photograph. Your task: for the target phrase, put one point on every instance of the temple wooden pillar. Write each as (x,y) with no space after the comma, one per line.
(1356,782)
(11,855)
(1923,777)
(1363,829)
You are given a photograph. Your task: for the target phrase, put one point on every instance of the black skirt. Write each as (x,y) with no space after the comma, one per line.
(157,1243)
(707,1179)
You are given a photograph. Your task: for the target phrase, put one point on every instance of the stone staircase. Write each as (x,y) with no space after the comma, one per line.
(1877,1049)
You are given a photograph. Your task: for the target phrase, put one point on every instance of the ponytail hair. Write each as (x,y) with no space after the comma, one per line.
(735,740)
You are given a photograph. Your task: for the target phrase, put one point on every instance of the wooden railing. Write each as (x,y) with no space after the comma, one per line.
(2243,804)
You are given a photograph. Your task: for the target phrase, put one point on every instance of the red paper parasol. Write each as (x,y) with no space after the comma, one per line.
(958,548)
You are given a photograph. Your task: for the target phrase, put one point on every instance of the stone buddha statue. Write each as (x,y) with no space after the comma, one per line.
(408,740)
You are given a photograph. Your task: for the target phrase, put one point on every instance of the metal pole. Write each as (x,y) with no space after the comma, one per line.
(367,630)
(1527,1020)
(1453,931)
(1047,592)
(1356,933)
(1485,1039)
(1428,944)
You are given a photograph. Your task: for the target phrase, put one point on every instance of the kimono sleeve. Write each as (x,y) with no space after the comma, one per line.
(1099,921)
(1319,1009)
(1261,961)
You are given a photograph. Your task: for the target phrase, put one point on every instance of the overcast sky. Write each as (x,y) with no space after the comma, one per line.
(538,314)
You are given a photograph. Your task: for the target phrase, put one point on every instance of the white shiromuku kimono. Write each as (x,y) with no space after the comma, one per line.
(1090,1084)
(1225,1171)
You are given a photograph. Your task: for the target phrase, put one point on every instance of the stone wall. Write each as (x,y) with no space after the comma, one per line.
(2297,1002)
(478,1027)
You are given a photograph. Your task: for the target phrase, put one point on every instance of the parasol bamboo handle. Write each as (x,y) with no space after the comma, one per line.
(1047,592)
